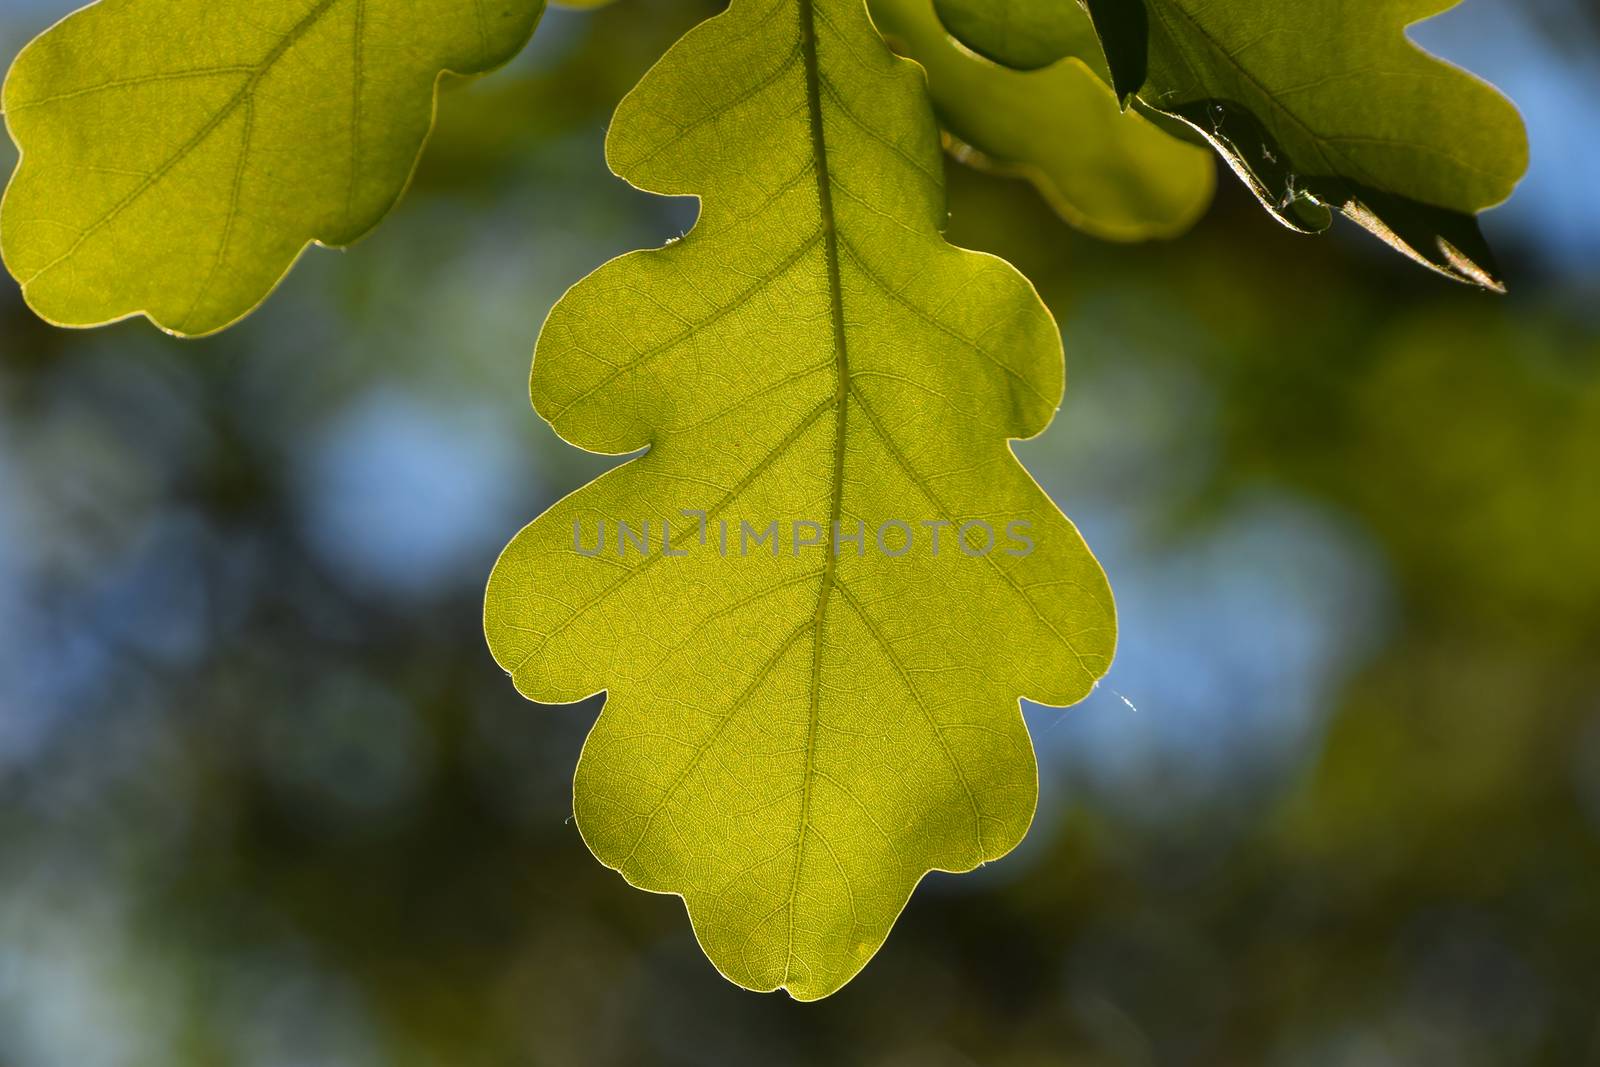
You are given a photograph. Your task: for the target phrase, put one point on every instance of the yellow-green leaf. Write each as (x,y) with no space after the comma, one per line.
(1022,34)
(793,735)
(178,155)
(1110,173)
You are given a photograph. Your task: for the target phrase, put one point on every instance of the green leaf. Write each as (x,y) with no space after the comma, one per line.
(1021,34)
(1108,172)
(1325,105)
(794,735)
(178,156)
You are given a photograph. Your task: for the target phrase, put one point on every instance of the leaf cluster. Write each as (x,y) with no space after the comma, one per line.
(793,737)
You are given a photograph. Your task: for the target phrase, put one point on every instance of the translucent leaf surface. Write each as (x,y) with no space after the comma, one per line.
(794,735)
(178,155)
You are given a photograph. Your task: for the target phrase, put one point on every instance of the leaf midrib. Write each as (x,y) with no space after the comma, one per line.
(841,407)
(844,389)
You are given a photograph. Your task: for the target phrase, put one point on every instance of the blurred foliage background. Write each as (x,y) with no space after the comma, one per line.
(265,800)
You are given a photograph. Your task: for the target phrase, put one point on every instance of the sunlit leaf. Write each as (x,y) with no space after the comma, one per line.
(178,155)
(1022,34)
(1325,105)
(1108,172)
(794,735)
